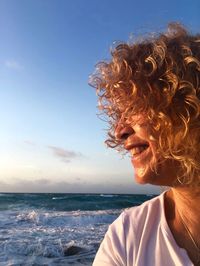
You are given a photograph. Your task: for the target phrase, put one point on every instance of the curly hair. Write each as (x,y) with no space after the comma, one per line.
(158,76)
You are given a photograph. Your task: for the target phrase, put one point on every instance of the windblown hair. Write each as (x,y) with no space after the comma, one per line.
(157,76)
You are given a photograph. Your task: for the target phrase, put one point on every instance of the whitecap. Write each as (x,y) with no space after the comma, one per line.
(107,195)
(59,198)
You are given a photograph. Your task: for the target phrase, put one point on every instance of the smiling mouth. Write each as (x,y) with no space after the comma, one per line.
(137,150)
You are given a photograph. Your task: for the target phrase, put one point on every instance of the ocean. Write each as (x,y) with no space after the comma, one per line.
(57,229)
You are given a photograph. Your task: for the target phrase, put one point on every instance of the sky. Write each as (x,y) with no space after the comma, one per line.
(51,139)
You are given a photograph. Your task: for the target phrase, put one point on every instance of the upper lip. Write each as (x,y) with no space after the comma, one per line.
(128,145)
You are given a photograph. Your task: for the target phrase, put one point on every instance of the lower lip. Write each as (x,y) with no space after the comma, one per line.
(140,156)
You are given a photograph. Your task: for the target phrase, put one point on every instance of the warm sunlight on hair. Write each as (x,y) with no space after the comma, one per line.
(161,74)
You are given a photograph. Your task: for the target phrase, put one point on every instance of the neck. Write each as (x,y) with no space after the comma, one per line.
(187,204)
(182,207)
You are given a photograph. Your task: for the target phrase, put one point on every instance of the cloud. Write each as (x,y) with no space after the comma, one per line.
(78,183)
(29,142)
(64,155)
(44,185)
(43,181)
(12,64)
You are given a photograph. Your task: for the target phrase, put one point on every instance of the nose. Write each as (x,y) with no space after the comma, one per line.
(123,131)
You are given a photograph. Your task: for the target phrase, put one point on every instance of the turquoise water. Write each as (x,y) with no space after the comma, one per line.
(57,229)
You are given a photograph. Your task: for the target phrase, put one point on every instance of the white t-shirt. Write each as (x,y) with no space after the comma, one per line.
(141,236)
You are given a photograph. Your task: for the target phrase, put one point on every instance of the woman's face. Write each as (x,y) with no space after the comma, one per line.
(142,146)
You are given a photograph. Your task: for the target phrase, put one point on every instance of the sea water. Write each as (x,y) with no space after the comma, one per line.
(57,229)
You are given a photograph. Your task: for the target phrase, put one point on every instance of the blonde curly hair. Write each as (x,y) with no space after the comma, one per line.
(158,76)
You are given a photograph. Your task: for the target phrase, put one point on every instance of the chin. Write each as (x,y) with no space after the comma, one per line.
(166,174)
(145,176)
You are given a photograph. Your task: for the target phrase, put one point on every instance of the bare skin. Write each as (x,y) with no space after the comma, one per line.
(179,200)
(185,202)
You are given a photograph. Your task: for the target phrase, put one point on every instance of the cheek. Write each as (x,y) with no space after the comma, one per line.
(154,149)
(144,132)
(153,143)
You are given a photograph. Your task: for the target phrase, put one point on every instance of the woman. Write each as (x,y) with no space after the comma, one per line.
(150,91)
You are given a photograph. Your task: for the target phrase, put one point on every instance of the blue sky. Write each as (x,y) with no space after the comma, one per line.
(51,138)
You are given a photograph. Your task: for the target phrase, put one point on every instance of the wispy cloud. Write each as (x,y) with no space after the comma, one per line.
(65,155)
(29,142)
(13,64)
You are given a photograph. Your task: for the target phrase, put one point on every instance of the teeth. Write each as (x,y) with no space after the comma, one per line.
(138,150)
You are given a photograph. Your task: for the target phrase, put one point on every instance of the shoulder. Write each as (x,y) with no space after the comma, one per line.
(133,222)
(112,251)
(144,211)
(123,237)
(142,219)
